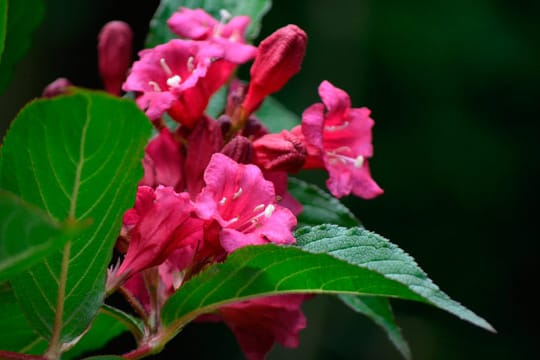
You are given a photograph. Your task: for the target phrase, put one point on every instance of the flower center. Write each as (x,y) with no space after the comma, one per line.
(334,157)
(248,222)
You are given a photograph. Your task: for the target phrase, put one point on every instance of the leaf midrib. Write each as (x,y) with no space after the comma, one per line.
(54,345)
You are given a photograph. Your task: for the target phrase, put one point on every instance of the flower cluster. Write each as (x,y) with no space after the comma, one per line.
(211,186)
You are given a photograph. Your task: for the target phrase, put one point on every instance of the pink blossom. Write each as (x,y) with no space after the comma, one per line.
(259,323)
(163,162)
(339,139)
(244,205)
(115,43)
(160,223)
(279,57)
(179,77)
(197,24)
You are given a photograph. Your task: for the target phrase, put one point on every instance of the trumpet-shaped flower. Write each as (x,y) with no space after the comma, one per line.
(338,138)
(243,203)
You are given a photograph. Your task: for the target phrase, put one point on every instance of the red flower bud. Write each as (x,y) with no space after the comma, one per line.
(57,87)
(114,54)
(280,152)
(279,57)
(239,149)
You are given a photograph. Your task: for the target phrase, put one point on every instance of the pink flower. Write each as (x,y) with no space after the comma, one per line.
(57,87)
(339,139)
(115,41)
(161,222)
(279,57)
(179,77)
(163,162)
(197,24)
(259,323)
(244,205)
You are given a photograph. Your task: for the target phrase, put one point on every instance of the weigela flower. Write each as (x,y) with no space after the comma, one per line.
(197,24)
(243,203)
(259,323)
(279,57)
(115,43)
(161,222)
(179,77)
(338,138)
(163,162)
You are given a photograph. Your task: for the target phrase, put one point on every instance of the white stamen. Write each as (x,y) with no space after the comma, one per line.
(225,15)
(233,220)
(269,210)
(190,63)
(165,67)
(237,194)
(155,85)
(258,208)
(337,127)
(359,161)
(222,201)
(174,81)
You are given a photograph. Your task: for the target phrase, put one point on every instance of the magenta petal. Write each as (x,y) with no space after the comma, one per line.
(194,24)
(335,99)
(259,323)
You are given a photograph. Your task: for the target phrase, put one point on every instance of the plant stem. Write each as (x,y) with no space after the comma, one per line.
(8,355)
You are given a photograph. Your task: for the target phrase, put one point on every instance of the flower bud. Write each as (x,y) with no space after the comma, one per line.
(279,57)
(239,149)
(280,152)
(57,87)
(115,41)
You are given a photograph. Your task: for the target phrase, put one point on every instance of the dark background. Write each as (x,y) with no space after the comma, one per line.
(454,89)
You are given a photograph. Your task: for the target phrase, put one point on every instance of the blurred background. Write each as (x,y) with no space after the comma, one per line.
(454,90)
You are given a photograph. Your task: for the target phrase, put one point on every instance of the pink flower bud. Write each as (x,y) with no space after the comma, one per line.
(57,87)
(280,152)
(279,57)
(115,41)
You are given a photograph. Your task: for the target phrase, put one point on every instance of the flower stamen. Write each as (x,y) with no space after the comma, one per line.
(165,67)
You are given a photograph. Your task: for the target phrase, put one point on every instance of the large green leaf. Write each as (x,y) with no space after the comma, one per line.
(78,158)
(21,20)
(319,206)
(26,235)
(275,116)
(159,31)
(379,310)
(330,260)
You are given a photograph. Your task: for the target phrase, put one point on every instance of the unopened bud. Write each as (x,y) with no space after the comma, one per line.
(239,149)
(115,41)
(57,87)
(280,152)
(279,57)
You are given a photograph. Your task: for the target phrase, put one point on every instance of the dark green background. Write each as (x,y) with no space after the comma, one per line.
(454,89)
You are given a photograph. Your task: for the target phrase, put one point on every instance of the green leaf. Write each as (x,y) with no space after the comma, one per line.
(275,116)
(379,310)
(105,327)
(21,20)
(77,157)
(319,206)
(368,250)
(358,262)
(16,334)
(26,235)
(3,25)
(217,102)
(159,31)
